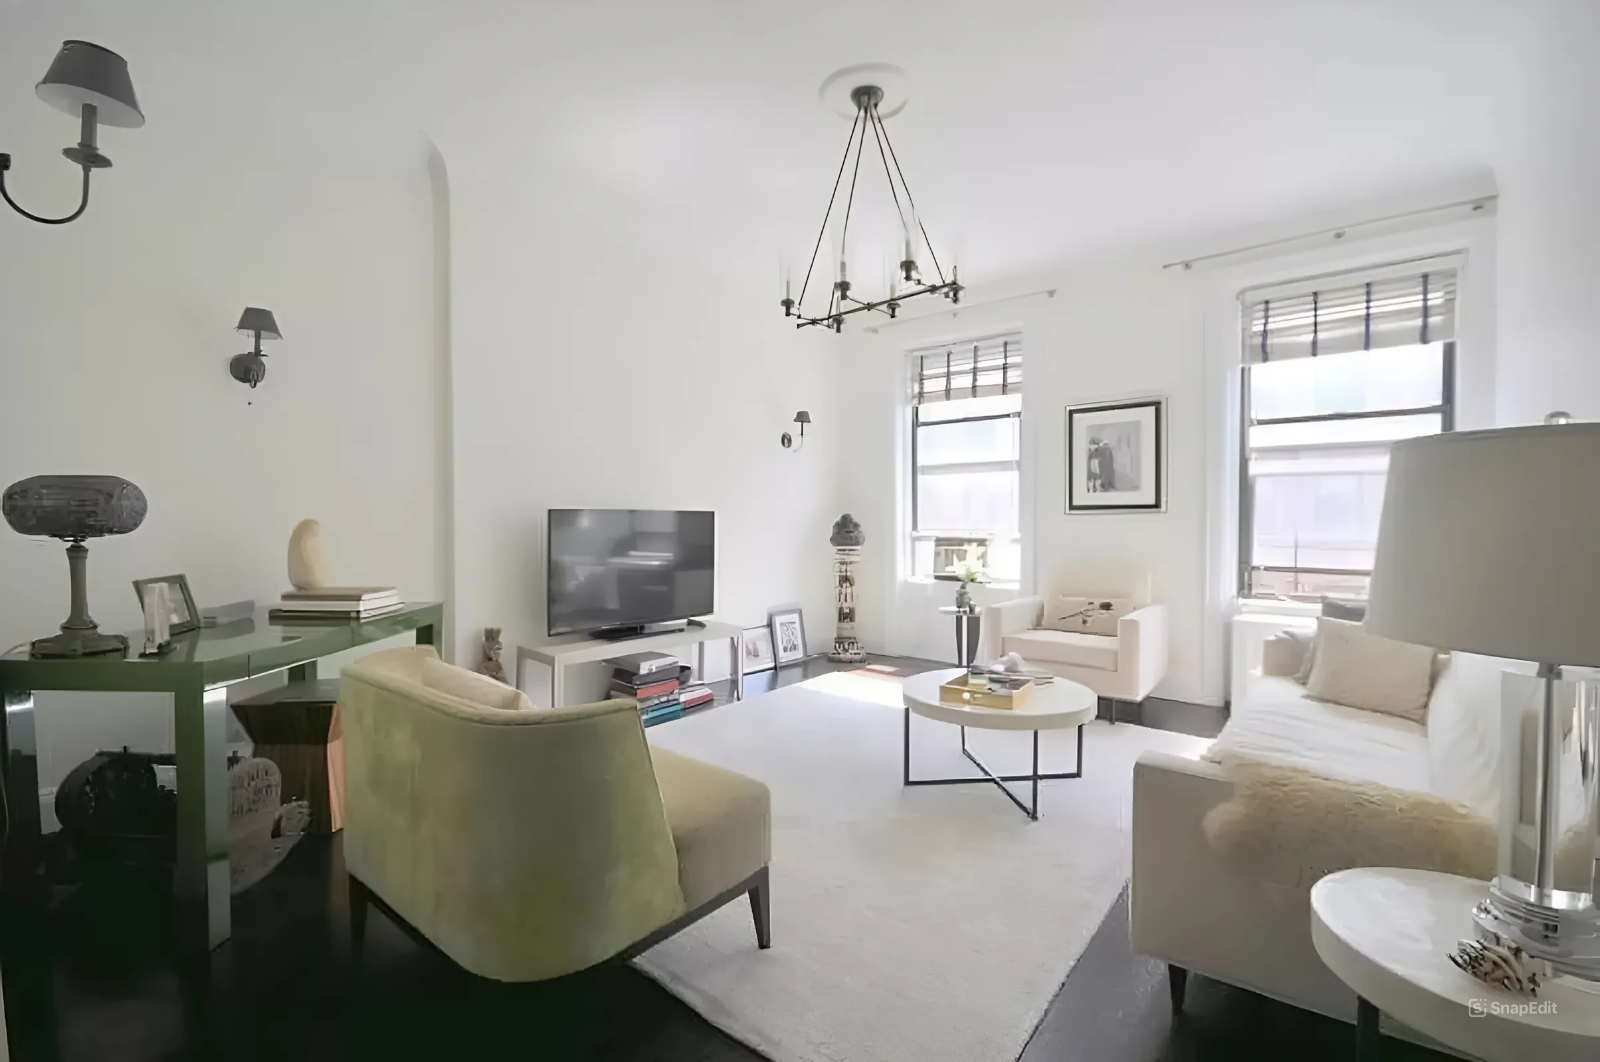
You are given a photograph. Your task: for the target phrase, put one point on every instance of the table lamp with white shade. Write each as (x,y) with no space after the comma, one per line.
(1490,544)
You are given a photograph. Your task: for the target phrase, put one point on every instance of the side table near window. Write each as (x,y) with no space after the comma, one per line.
(967,624)
(1388,934)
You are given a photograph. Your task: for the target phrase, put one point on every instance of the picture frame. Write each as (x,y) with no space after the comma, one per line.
(788,626)
(1117,456)
(758,654)
(185,616)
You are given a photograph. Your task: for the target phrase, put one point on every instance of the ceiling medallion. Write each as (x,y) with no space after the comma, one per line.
(869,92)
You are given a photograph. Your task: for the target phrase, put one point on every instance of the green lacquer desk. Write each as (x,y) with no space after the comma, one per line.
(197,674)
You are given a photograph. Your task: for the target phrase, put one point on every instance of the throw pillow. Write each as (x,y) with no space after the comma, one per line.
(1303,676)
(1284,654)
(1464,731)
(1086,615)
(1344,608)
(472,687)
(1362,670)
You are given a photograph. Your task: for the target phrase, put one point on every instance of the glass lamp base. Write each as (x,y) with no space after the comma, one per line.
(1542,898)
(1569,941)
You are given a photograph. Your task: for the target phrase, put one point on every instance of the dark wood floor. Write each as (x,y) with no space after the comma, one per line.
(96,980)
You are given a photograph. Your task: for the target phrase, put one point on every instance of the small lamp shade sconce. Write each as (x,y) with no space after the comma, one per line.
(251,367)
(90,83)
(788,441)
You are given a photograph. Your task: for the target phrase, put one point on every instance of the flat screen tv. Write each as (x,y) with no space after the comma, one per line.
(621,572)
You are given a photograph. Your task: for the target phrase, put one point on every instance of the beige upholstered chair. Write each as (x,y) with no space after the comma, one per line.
(1120,667)
(525,843)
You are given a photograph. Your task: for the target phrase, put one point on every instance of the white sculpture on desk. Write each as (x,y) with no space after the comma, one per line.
(307,570)
(847,539)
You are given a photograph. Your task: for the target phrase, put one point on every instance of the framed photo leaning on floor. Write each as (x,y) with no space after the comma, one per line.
(788,634)
(757,650)
(1117,456)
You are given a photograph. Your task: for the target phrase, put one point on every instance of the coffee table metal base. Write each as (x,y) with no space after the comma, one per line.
(1034,778)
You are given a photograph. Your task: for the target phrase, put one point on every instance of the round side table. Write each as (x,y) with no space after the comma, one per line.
(1388,934)
(1057,706)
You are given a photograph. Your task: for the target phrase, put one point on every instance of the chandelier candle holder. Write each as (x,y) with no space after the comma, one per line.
(872,91)
(846,540)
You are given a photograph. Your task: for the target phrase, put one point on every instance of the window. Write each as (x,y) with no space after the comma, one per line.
(966,459)
(1335,370)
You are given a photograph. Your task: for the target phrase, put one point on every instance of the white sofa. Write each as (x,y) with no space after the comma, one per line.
(1123,667)
(1199,912)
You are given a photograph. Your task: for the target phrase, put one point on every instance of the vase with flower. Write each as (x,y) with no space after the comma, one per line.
(969,569)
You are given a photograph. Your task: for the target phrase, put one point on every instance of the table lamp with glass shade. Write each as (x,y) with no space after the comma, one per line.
(1490,543)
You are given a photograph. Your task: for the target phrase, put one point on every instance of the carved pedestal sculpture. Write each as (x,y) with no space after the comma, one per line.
(75,509)
(846,539)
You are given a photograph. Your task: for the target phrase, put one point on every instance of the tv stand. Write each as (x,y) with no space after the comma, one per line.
(587,649)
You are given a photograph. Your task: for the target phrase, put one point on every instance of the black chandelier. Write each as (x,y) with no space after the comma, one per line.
(841,303)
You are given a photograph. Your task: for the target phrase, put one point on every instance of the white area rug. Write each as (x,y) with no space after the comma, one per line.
(908,925)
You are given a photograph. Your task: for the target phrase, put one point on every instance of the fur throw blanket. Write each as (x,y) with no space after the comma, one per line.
(1289,828)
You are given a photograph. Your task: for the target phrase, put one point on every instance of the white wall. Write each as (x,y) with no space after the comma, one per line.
(1114,328)
(115,332)
(1550,224)
(1121,326)
(598,363)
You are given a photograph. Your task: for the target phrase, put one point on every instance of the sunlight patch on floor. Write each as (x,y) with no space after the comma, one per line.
(874,689)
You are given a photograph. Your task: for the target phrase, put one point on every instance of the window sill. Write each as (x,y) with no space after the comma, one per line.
(1250,606)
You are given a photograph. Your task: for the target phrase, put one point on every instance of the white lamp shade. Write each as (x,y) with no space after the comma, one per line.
(1490,543)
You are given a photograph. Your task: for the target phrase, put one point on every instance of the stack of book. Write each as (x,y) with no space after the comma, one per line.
(655,680)
(337,603)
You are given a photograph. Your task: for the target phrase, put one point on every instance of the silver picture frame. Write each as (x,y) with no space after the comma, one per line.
(185,615)
(788,625)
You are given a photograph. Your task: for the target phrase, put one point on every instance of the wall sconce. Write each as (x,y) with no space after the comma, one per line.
(90,83)
(801,418)
(251,367)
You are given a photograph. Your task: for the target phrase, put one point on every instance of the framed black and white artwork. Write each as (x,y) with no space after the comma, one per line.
(788,635)
(1116,456)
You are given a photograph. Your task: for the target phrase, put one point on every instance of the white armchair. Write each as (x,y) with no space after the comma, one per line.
(1123,667)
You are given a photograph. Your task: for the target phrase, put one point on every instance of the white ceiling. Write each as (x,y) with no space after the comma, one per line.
(1036,130)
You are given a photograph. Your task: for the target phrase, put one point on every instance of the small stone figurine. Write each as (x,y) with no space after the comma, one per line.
(490,664)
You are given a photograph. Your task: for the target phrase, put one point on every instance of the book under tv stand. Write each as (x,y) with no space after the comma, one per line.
(559,653)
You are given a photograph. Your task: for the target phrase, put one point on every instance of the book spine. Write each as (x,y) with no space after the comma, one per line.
(641,692)
(635,678)
(340,602)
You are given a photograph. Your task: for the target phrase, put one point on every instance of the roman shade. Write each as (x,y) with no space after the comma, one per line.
(1405,304)
(970,369)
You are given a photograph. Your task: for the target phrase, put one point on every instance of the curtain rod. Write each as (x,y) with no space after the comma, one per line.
(1339,232)
(956,310)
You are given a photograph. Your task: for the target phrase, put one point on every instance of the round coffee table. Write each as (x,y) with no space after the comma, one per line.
(1056,706)
(1388,934)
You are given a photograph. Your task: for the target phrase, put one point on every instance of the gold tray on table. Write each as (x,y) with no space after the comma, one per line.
(958,692)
